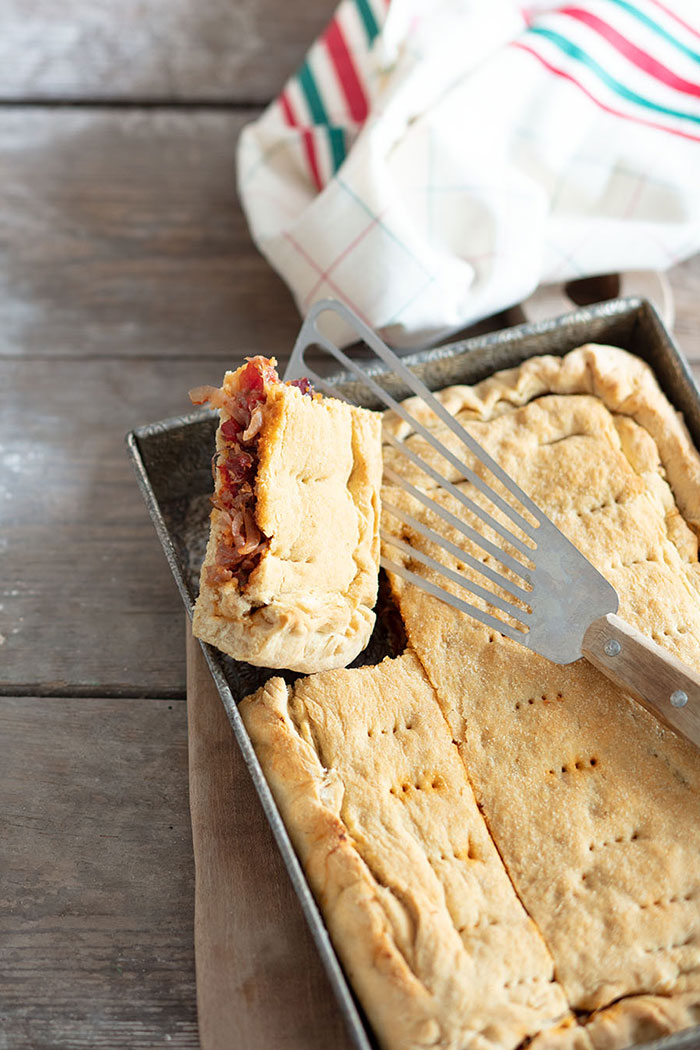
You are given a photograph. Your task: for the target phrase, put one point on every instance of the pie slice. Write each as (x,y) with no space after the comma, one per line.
(593,805)
(376,798)
(289,578)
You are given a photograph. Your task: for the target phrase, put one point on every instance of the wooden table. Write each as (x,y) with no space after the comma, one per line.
(127,276)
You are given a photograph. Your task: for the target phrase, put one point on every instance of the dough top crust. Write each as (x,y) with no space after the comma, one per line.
(623,384)
(308,605)
(572,791)
(584,792)
(372,788)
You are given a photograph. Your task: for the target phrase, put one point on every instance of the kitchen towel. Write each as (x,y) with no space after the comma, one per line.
(434,161)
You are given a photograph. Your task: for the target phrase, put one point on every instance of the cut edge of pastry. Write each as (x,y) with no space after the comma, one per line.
(305,631)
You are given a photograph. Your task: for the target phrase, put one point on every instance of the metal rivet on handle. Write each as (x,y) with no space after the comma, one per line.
(679,698)
(612,648)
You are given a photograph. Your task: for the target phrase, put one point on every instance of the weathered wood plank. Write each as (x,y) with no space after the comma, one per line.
(158,49)
(260,982)
(685,282)
(88,603)
(96,894)
(122,235)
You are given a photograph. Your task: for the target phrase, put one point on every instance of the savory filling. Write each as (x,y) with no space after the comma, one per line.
(235,466)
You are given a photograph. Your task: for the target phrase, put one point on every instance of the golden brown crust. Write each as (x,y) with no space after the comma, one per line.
(592,805)
(569,1036)
(623,383)
(583,791)
(376,799)
(633,1021)
(640,1019)
(308,604)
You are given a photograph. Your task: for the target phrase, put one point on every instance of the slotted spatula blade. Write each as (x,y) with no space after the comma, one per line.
(564,608)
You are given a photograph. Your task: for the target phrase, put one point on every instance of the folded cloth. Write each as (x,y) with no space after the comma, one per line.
(433,161)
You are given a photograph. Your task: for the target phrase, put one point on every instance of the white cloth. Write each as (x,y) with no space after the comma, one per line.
(435,160)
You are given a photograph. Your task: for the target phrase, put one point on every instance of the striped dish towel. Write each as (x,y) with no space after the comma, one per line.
(433,161)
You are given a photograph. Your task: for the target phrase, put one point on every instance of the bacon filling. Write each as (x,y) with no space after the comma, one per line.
(235,467)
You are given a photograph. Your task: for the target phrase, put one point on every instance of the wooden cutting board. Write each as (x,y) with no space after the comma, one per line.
(260,983)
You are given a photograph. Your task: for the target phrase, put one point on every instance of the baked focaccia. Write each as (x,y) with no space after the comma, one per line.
(593,804)
(289,578)
(378,803)
(505,848)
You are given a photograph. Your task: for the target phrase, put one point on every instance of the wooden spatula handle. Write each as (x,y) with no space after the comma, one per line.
(666,686)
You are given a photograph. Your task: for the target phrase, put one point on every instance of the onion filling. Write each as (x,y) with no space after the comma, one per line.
(235,467)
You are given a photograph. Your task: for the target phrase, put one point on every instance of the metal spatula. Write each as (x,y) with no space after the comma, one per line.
(559,605)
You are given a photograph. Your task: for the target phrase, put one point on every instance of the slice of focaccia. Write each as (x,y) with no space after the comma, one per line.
(376,798)
(290,574)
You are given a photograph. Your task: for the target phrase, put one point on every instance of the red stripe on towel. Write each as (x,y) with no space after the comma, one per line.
(306,137)
(640,58)
(346,72)
(601,105)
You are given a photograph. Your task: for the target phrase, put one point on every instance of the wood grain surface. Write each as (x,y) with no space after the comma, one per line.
(260,982)
(127,274)
(642,668)
(223,50)
(685,284)
(97,876)
(123,237)
(88,603)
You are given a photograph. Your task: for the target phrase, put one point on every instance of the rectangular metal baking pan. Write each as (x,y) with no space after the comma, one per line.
(172,460)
